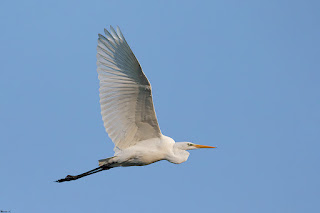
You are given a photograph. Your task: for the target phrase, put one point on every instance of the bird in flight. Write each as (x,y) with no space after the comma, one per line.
(127,111)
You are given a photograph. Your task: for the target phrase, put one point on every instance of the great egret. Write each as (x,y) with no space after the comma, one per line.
(127,111)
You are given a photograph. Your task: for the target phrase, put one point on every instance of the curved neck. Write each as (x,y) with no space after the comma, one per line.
(179,155)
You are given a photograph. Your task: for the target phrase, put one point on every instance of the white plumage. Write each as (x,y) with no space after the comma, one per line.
(127,110)
(125,93)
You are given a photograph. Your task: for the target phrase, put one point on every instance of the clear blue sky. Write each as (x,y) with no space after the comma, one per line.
(240,75)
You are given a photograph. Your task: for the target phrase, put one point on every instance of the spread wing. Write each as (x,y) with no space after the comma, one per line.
(125,93)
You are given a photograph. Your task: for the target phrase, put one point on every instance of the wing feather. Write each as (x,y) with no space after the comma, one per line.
(125,93)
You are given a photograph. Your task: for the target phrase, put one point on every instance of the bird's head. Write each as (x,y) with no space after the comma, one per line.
(190,146)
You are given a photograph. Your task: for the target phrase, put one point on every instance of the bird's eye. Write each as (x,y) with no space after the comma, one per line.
(189,144)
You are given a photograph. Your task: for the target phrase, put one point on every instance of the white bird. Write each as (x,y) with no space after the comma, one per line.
(127,111)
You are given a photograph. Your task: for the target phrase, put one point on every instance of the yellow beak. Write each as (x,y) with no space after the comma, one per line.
(203,146)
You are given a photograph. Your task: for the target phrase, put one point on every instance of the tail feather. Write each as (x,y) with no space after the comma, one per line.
(105,161)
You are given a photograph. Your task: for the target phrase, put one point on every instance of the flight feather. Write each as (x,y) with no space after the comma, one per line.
(125,93)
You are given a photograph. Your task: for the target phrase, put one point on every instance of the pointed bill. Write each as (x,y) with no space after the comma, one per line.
(203,146)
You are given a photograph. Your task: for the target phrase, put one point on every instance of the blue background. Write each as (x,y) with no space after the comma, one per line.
(239,75)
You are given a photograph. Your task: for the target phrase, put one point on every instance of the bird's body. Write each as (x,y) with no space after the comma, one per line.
(128,112)
(147,152)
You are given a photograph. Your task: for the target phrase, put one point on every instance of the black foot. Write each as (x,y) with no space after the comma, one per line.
(68,178)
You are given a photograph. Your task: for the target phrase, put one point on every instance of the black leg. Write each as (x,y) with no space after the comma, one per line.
(71,177)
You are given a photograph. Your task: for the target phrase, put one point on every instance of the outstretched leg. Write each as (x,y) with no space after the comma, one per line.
(71,177)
